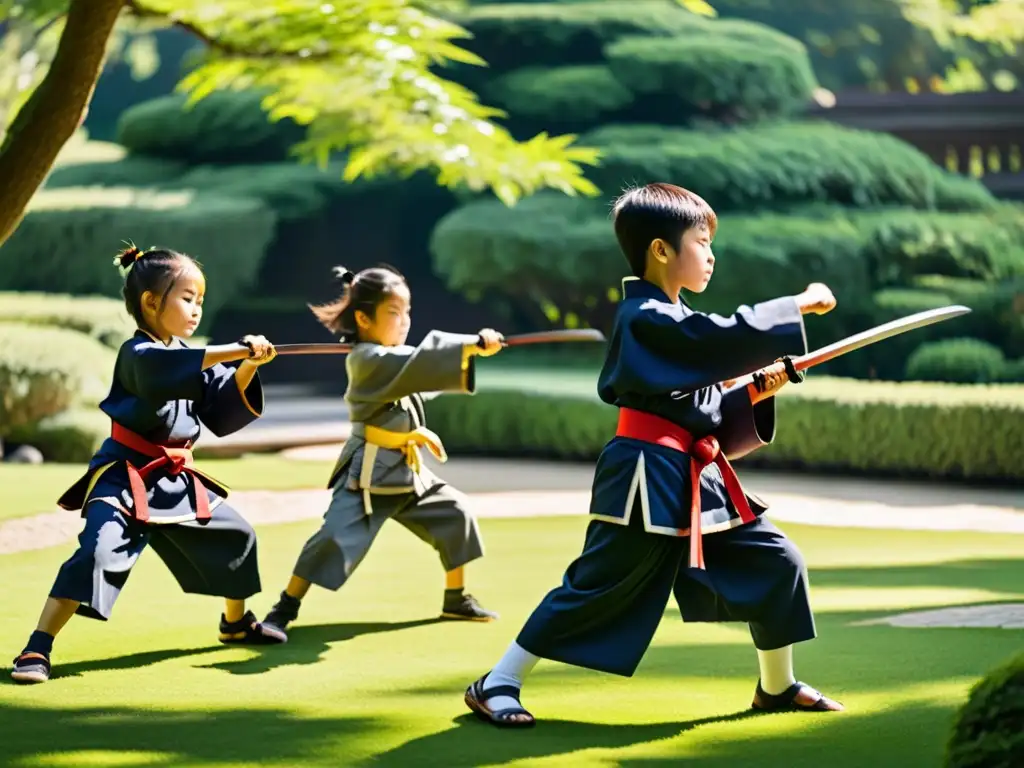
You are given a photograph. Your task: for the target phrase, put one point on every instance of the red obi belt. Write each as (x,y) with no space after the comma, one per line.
(175,460)
(649,428)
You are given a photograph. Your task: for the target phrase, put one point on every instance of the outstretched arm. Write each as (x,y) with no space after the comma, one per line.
(679,349)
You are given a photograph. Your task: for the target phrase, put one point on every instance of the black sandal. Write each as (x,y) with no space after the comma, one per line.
(249,631)
(31,667)
(798,697)
(477,695)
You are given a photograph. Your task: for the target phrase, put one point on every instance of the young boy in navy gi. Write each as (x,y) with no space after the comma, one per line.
(665,479)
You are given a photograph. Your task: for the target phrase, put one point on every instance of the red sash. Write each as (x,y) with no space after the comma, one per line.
(176,459)
(654,429)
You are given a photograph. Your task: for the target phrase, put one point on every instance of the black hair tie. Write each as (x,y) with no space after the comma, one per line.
(344,276)
(252,347)
(795,376)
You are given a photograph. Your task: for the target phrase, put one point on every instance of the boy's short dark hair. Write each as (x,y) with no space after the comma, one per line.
(657,211)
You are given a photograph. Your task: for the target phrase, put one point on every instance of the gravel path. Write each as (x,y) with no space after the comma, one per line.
(563,489)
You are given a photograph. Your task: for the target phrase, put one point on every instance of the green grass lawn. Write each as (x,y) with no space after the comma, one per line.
(369,679)
(31,489)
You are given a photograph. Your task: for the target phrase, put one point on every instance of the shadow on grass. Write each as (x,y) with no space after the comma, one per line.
(308,643)
(896,737)
(238,736)
(473,743)
(129,661)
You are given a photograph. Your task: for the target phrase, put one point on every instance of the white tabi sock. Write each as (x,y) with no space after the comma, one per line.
(776,669)
(513,668)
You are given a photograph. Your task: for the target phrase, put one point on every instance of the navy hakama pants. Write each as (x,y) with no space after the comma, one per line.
(614,594)
(217,557)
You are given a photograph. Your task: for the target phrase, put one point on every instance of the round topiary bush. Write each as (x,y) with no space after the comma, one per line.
(963,361)
(225,127)
(105,319)
(718,76)
(989,729)
(44,371)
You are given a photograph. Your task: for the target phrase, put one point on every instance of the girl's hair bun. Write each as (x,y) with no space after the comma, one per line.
(128,256)
(344,276)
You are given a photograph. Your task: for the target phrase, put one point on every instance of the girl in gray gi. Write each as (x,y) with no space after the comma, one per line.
(379,475)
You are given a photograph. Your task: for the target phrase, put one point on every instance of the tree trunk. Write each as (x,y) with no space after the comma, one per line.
(55,111)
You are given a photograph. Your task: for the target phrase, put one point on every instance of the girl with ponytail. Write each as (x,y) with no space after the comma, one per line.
(141,488)
(380,474)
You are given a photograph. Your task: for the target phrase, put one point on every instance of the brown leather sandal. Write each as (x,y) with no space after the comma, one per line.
(477,695)
(798,697)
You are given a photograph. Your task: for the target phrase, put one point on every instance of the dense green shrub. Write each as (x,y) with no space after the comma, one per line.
(582,94)
(1013,372)
(964,361)
(44,371)
(556,34)
(131,171)
(987,246)
(102,318)
(988,732)
(72,436)
(292,190)
(67,242)
(781,164)
(933,430)
(715,76)
(225,127)
(559,256)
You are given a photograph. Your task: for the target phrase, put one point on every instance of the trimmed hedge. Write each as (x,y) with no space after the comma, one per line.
(964,361)
(70,437)
(225,127)
(67,241)
(559,256)
(132,171)
(291,190)
(988,732)
(716,75)
(582,94)
(915,430)
(782,164)
(106,320)
(555,34)
(44,371)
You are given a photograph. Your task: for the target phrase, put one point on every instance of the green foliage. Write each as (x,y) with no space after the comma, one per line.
(556,34)
(291,190)
(104,319)
(131,171)
(987,732)
(72,436)
(558,259)
(964,361)
(45,370)
(987,247)
(585,94)
(363,80)
(783,164)
(85,227)
(226,127)
(717,76)
(927,430)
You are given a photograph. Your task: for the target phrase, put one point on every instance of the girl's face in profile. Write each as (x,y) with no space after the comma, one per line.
(183,308)
(392,318)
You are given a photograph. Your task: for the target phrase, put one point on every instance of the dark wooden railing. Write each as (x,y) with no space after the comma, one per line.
(974,134)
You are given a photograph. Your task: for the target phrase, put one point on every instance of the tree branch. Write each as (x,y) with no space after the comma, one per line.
(220,46)
(55,110)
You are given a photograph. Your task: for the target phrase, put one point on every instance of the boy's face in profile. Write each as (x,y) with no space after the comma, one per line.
(692,265)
